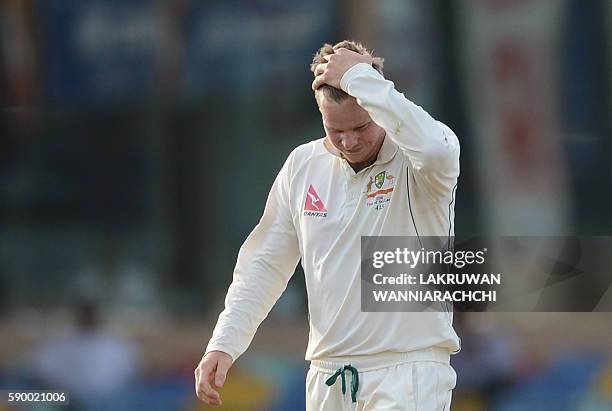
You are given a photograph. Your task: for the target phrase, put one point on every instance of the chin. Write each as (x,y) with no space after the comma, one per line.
(354,159)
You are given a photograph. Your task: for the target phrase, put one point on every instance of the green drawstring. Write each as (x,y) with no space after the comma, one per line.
(354,380)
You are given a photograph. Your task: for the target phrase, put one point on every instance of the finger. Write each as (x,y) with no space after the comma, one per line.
(220,377)
(201,394)
(207,391)
(341,51)
(202,397)
(221,373)
(203,388)
(197,380)
(198,390)
(208,400)
(206,385)
(320,69)
(318,81)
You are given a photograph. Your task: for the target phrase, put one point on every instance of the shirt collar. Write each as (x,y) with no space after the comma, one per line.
(387,151)
(385,154)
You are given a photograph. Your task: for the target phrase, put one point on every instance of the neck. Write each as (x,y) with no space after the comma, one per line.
(357,167)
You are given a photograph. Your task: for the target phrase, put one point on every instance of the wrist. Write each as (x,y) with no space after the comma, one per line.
(355,71)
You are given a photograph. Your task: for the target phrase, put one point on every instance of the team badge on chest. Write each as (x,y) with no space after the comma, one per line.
(379,190)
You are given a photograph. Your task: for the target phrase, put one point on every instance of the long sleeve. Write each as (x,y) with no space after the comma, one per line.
(433,149)
(266,262)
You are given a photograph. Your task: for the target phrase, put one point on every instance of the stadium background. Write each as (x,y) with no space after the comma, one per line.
(139,140)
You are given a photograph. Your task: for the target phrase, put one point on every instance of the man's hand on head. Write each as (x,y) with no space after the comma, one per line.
(336,65)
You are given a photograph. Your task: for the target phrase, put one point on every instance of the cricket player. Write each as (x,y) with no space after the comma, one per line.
(385,167)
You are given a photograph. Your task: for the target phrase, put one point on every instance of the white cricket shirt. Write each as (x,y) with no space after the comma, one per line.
(318,209)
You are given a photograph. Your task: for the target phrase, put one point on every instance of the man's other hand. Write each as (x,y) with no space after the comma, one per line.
(336,65)
(211,374)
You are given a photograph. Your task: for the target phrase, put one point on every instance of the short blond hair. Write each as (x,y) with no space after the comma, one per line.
(332,93)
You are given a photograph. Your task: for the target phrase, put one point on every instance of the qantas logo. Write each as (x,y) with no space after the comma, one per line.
(314,206)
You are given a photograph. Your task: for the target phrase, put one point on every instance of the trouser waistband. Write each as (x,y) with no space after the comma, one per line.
(371,362)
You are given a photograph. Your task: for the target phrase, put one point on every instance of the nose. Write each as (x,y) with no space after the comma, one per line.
(349,141)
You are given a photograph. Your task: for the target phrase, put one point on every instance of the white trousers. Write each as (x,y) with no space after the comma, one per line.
(412,381)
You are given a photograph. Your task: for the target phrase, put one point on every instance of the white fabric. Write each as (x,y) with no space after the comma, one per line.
(420,158)
(411,384)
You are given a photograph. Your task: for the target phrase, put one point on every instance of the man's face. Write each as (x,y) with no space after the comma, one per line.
(351,130)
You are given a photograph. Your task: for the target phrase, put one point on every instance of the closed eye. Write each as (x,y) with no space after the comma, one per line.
(362,127)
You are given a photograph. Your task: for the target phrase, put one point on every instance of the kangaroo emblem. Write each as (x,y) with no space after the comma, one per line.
(314,200)
(369,186)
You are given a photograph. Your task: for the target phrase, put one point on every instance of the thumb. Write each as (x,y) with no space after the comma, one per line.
(220,375)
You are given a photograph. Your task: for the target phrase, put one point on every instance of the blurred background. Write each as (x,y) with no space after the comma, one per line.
(138,141)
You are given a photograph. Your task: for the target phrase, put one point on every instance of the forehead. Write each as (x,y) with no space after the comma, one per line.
(343,116)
